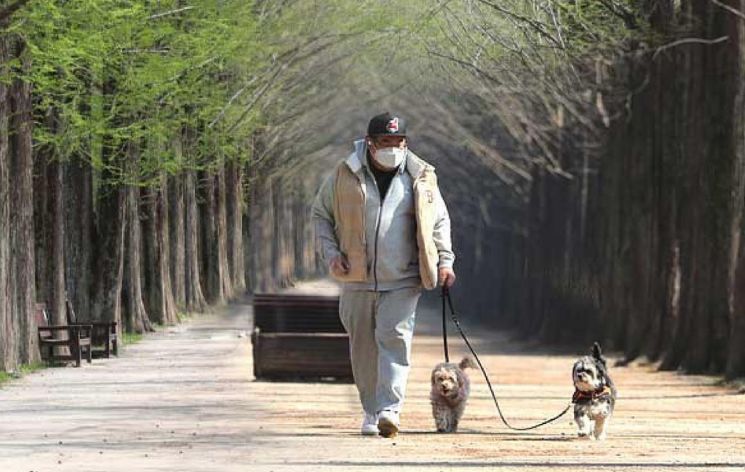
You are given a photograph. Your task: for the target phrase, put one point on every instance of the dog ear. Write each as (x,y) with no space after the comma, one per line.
(434,372)
(597,353)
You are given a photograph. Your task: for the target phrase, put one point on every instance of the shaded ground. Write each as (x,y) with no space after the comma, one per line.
(184,400)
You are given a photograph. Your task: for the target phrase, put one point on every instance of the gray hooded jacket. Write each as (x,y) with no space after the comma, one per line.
(392,253)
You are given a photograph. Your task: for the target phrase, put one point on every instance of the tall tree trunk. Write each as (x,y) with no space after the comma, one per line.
(213,221)
(41,229)
(21,218)
(221,233)
(8,341)
(55,220)
(733,57)
(195,301)
(176,238)
(159,298)
(152,286)
(234,201)
(110,226)
(49,227)
(261,228)
(170,311)
(248,241)
(78,178)
(135,316)
(110,229)
(717,181)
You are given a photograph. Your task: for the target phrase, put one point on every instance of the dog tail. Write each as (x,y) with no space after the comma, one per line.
(466,363)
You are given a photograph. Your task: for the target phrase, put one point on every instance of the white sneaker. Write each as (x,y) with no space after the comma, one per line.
(388,422)
(369,425)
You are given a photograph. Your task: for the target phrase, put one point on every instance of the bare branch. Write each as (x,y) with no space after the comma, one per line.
(621,12)
(261,92)
(539,27)
(680,42)
(163,50)
(230,102)
(171,12)
(730,9)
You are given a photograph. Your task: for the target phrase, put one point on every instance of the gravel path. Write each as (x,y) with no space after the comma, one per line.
(184,400)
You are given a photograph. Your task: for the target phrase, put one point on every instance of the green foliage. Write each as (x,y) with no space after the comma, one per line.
(107,72)
(110,72)
(131,338)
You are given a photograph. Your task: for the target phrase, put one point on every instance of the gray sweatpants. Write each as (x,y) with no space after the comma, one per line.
(380,327)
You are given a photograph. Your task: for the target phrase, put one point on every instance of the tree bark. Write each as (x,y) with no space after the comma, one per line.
(49,228)
(21,218)
(734,58)
(213,221)
(170,310)
(110,226)
(110,229)
(8,341)
(160,304)
(234,201)
(195,301)
(78,178)
(175,187)
(153,295)
(135,316)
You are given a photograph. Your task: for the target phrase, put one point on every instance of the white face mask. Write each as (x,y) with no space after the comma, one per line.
(390,157)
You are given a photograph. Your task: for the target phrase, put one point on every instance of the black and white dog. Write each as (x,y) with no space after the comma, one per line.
(594,395)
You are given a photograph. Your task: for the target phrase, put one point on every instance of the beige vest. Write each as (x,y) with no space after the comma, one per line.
(349,213)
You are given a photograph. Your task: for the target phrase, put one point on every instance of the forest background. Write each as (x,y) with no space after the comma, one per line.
(159,157)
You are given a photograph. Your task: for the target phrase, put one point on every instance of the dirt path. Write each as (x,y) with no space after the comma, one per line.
(184,400)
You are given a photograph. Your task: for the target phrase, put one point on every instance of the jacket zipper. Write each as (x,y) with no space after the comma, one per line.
(377,232)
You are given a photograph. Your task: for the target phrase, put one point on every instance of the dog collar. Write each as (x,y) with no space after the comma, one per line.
(580,396)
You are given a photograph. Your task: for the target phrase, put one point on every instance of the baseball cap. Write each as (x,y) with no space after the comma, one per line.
(386,124)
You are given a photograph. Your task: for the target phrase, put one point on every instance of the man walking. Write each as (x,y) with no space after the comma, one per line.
(384,231)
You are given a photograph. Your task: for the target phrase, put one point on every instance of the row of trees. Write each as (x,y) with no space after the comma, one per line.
(131,135)
(624,212)
(117,195)
(160,156)
(646,249)
(592,154)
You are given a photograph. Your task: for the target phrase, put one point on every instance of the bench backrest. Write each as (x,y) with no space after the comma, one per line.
(41,316)
(70,312)
(282,313)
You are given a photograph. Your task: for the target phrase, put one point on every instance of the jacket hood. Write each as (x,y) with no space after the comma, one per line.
(415,166)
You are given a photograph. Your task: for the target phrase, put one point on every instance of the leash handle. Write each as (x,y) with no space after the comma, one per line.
(445,294)
(453,316)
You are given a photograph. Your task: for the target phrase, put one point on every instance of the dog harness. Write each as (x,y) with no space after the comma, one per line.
(580,396)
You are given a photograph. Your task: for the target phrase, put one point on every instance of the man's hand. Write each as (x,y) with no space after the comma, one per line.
(339,265)
(446,277)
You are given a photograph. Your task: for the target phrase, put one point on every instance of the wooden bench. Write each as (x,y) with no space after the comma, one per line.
(299,337)
(76,338)
(103,333)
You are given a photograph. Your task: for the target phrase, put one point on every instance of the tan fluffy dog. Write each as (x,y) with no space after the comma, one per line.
(450,390)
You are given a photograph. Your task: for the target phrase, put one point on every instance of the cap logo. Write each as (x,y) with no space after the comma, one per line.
(392,126)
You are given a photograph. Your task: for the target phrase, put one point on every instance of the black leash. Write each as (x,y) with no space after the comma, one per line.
(454,318)
(445,324)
